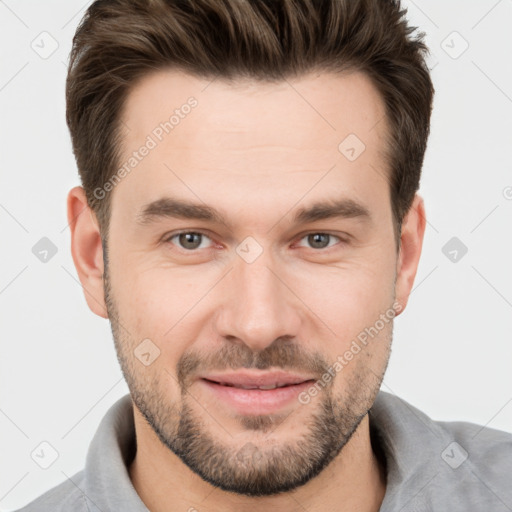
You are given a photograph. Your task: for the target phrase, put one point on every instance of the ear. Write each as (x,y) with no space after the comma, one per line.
(413,229)
(86,249)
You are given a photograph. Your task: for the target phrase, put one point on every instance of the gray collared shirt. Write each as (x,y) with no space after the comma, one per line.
(431,465)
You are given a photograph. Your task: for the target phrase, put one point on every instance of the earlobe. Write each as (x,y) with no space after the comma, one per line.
(413,230)
(86,249)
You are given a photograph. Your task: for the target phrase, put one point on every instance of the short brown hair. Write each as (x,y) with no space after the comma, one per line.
(120,41)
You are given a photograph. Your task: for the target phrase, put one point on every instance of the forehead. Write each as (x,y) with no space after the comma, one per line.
(270,139)
(329,104)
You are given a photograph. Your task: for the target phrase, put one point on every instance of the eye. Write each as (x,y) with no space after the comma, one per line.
(189,240)
(194,240)
(321,240)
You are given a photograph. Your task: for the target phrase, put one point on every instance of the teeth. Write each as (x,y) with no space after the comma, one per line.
(270,386)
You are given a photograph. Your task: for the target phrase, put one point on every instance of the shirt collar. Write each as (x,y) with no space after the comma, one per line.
(412,444)
(107,481)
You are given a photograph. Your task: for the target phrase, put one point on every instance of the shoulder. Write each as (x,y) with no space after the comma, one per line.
(479,436)
(486,452)
(438,465)
(479,443)
(476,468)
(66,496)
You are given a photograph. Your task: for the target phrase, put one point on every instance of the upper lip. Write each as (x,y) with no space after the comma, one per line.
(253,379)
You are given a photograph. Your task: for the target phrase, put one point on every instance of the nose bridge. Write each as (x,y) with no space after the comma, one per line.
(258,307)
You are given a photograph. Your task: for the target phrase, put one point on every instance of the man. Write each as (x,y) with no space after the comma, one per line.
(249,223)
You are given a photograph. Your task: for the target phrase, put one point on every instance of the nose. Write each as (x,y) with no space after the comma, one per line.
(258,305)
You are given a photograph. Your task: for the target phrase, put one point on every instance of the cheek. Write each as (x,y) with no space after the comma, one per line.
(164,304)
(349,299)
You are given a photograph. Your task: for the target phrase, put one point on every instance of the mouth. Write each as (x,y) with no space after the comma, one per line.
(256,379)
(252,393)
(262,387)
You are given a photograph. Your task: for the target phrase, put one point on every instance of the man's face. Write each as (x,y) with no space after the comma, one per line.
(256,288)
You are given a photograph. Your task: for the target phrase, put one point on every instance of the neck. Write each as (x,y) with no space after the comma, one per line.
(354,480)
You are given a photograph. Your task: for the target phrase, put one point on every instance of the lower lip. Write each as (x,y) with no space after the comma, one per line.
(256,401)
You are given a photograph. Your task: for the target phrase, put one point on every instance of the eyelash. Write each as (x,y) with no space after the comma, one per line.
(198,232)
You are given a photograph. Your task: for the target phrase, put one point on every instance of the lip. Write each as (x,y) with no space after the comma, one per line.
(256,401)
(257,379)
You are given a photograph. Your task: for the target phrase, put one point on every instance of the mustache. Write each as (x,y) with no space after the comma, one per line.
(284,353)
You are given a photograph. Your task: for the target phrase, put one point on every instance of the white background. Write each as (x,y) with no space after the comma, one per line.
(452,350)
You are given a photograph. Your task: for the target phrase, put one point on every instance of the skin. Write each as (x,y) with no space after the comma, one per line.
(256,152)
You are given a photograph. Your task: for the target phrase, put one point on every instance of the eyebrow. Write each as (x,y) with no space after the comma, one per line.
(168,207)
